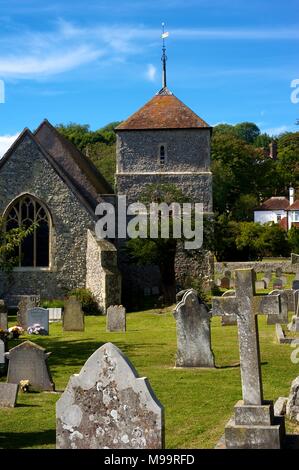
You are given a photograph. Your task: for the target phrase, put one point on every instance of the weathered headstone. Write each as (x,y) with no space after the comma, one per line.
(40,316)
(267,278)
(277,283)
(116,318)
(282,318)
(193,332)
(28,361)
(294,325)
(260,285)
(225,283)
(107,406)
(292,409)
(295,263)
(253,424)
(229,320)
(55,314)
(290,296)
(8,395)
(2,357)
(3,315)
(26,302)
(73,315)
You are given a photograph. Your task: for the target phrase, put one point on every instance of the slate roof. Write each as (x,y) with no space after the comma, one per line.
(163,111)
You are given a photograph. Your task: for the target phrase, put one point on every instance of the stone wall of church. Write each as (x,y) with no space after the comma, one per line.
(28,171)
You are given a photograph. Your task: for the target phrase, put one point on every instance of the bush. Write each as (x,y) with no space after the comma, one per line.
(55,303)
(293,237)
(89,305)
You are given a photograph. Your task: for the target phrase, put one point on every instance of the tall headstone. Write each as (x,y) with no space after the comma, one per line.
(253,425)
(40,316)
(107,406)
(26,302)
(229,320)
(267,278)
(193,332)
(116,318)
(8,395)
(73,315)
(292,409)
(3,316)
(294,325)
(2,356)
(295,263)
(282,318)
(28,361)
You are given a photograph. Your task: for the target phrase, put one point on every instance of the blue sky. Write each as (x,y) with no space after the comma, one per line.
(98,61)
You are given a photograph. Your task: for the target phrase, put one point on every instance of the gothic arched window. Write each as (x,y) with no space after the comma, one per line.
(34,249)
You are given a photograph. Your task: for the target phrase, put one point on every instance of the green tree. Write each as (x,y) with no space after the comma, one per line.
(288,159)
(9,242)
(293,236)
(247,131)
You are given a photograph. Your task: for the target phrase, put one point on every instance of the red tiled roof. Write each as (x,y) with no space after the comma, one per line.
(275,203)
(163,111)
(294,206)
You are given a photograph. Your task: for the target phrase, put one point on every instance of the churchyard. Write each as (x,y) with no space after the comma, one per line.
(198,402)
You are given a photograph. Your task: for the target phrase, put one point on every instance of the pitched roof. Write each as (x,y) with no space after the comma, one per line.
(294,206)
(79,168)
(163,111)
(275,203)
(58,168)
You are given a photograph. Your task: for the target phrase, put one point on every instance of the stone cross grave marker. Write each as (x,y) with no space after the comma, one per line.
(295,263)
(193,332)
(3,315)
(73,315)
(282,317)
(116,318)
(28,361)
(253,424)
(26,302)
(107,406)
(8,395)
(38,315)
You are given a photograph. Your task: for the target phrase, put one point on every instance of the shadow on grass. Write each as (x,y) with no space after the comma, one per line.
(19,440)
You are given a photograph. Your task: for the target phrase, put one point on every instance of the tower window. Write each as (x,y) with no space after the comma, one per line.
(162,154)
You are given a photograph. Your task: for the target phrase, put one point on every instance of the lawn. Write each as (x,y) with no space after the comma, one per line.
(198,402)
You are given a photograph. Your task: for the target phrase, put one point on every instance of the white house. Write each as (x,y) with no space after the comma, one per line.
(279,210)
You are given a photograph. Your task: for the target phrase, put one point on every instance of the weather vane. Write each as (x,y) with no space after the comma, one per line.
(165,35)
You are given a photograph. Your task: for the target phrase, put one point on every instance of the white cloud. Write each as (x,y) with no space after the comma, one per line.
(151,72)
(5,142)
(273,131)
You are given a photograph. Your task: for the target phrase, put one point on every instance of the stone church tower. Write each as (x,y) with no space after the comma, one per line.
(166,142)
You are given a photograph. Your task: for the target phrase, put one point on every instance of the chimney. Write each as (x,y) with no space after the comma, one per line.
(273,150)
(291,195)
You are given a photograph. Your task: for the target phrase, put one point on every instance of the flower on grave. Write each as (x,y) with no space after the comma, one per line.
(15,332)
(36,329)
(24,385)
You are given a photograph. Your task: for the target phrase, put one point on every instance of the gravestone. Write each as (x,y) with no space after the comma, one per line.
(107,406)
(73,315)
(294,325)
(267,278)
(225,283)
(290,296)
(116,318)
(8,395)
(3,315)
(28,361)
(295,262)
(282,317)
(40,316)
(26,302)
(55,314)
(292,408)
(277,283)
(2,357)
(229,320)
(253,424)
(260,285)
(193,332)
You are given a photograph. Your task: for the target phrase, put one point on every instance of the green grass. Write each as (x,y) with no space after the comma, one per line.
(198,402)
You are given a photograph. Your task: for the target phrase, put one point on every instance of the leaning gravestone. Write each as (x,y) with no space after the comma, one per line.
(73,315)
(28,361)
(3,315)
(253,425)
(295,262)
(229,320)
(40,316)
(193,332)
(8,395)
(116,318)
(282,318)
(107,406)
(26,302)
